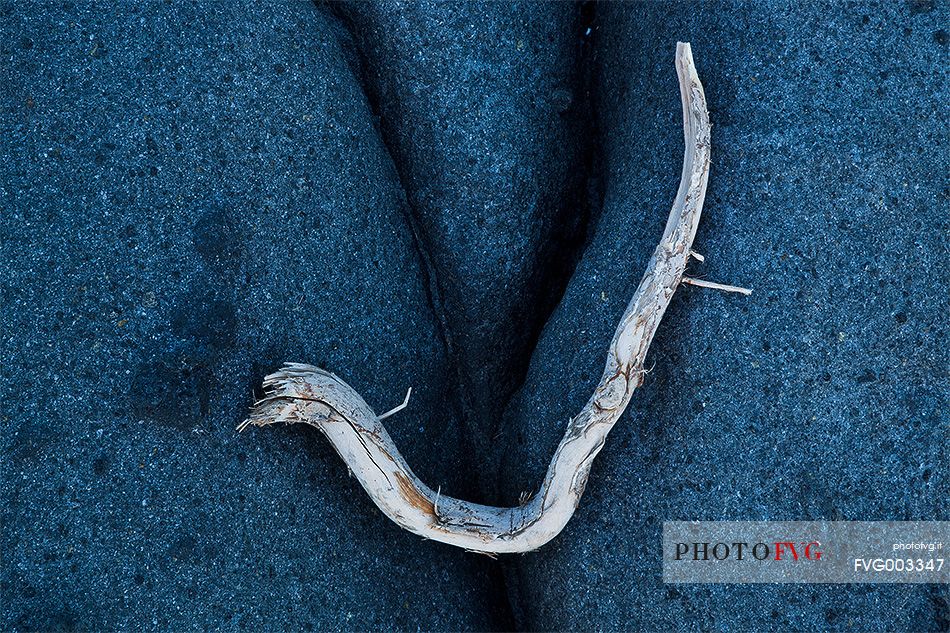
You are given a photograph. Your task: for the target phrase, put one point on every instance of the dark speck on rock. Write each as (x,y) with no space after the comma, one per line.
(175,392)
(562,99)
(100,466)
(921,6)
(205,321)
(219,238)
(183,549)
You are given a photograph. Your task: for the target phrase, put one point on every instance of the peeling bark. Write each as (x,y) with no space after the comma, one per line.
(306,394)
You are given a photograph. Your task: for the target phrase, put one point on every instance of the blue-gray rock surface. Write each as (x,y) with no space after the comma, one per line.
(484,108)
(193,194)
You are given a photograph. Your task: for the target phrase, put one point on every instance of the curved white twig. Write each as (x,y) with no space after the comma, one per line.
(305,394)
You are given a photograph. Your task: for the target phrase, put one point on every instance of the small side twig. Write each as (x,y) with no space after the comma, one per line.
(712,284)
(397,409)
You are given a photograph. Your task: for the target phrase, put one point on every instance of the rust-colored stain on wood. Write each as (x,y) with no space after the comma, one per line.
(413,496)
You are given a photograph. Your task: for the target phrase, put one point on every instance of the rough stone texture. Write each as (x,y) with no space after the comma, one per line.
(484,108)
(824,394)
(191,195)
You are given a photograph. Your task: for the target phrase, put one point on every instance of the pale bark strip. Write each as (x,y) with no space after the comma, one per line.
(302,393)
(702,283)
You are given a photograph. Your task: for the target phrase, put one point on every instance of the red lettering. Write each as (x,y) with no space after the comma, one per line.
(785,544)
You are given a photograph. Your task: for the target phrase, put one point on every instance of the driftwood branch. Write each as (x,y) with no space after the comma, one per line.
(305,394)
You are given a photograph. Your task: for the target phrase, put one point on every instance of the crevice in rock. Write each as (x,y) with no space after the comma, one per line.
(558,258)
(557,263)
(461,402)
(432,286)
(566,201)
(570,211)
